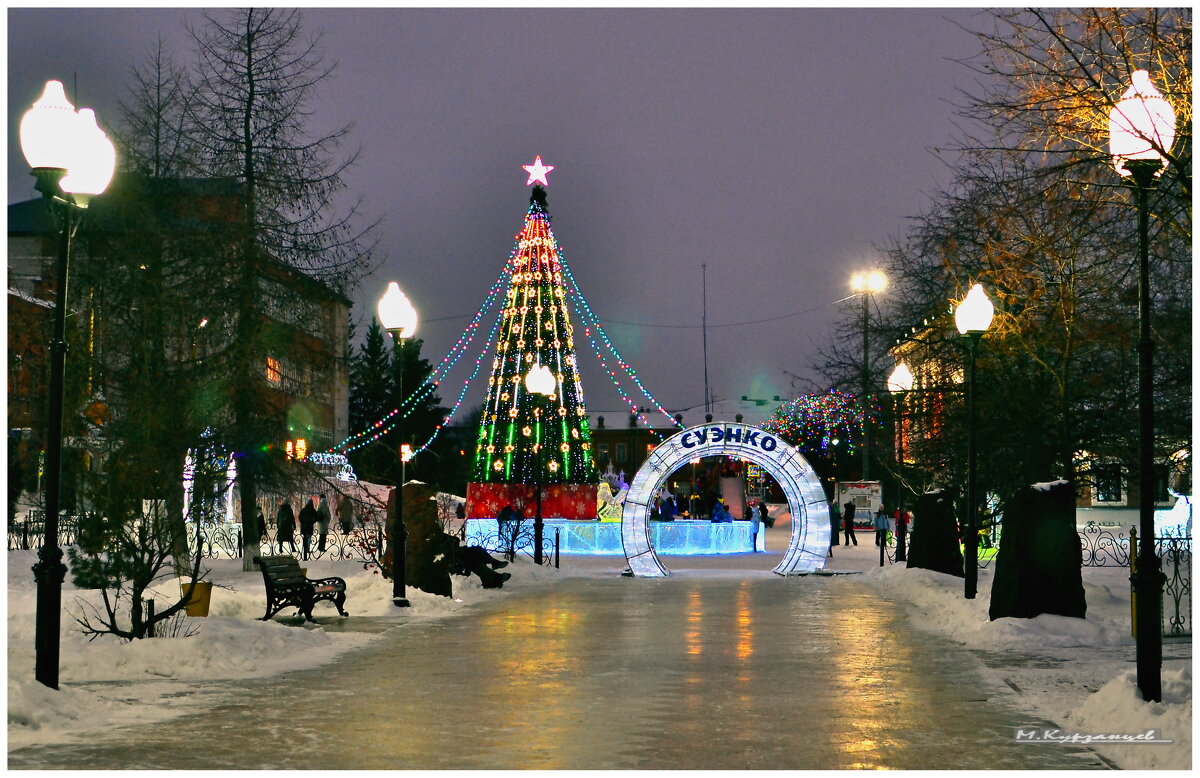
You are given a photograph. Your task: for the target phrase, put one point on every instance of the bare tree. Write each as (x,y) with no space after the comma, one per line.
(1052,75)
(257,76)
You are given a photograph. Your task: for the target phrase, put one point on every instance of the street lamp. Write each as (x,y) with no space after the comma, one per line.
(1141,130)
(972,317)
(399,317)
(900,382)
(866,284)
(72,160)
(540,382)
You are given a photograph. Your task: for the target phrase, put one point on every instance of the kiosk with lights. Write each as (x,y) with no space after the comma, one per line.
(809,543)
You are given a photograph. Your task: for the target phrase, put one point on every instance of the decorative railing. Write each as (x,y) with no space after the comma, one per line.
(518,538)
(1176,556)
(29,533)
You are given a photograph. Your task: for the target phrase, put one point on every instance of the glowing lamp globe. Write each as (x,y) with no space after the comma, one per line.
(396,312)
(872,282)
(95,158)
(1141,125)
(974,313)
(49,130)
(540,380)
(901,379)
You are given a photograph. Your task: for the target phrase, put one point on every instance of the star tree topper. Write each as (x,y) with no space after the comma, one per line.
(537,172)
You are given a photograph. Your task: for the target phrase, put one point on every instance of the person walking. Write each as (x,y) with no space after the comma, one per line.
(848,518)
(881,526)
(285,525)
(308,519)
(345,514)
(260,524)
(835,523)
(323,519)
(902,519)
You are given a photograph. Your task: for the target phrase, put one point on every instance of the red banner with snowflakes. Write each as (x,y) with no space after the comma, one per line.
(559,501)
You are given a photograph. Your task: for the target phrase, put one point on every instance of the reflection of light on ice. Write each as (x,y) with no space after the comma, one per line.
(1176,521)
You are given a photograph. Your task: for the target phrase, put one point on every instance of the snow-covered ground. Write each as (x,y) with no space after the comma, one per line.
(1081,676)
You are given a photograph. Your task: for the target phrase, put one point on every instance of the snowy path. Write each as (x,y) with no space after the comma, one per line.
(743,670)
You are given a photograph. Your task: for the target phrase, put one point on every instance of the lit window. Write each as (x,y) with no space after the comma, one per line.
(274,375)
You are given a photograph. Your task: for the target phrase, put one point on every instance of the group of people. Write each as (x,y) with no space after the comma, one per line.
(882,522)
(314,518)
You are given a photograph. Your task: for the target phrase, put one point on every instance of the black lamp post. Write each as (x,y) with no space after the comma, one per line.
(1141,130)
(399,317)
(866,284)
(900,382)
(72,160)
(539,382)
(972,316)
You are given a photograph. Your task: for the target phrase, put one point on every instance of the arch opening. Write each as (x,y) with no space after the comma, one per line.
(808,545)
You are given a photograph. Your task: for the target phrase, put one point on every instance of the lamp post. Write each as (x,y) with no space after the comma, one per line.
(866,284)
(972,316)
(1141,131)
(399,317)
(900,382)
(539,381)
(72,160)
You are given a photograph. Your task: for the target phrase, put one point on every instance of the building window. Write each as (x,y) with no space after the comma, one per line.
(602,453)
(274,375)
(622,452)
(1108,483)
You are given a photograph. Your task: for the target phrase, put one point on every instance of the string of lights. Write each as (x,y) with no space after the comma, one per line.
(381,427)
(592,322)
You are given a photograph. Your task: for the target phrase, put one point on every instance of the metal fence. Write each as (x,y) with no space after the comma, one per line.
(224,541)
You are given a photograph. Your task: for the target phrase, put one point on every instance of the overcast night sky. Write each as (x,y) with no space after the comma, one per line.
(777,146)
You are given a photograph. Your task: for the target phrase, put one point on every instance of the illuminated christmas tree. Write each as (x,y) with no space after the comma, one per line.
(527,438)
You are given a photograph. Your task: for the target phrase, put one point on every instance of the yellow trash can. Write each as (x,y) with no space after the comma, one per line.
(198,600)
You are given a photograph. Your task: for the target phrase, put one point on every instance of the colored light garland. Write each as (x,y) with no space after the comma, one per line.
(813,422)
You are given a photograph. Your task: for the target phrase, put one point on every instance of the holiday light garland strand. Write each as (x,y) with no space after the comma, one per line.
(591,321)
(431,382)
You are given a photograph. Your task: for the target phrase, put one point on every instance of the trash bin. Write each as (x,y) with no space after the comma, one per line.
(197,601)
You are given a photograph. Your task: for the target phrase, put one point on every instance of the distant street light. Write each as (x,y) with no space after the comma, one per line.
(539,382)
(866,284)
(900,383)
(1141,130)
(398,316)
(972,316)
(72,160)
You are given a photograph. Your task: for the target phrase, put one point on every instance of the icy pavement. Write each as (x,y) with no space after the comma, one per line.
(697,671)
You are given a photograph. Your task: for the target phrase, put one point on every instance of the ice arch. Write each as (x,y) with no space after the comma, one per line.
(809,544)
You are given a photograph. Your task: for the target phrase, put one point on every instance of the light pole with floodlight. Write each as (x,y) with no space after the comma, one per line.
(972,317)
(539,382)
(72,160)
(399,317)
(900,383)
(1141,129)
(866,284)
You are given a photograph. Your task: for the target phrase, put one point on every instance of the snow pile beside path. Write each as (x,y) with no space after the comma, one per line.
(938,599)
(109,682)
(1119,708)
(1080,653)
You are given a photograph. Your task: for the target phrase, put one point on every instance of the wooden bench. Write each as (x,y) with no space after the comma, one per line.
(286,585)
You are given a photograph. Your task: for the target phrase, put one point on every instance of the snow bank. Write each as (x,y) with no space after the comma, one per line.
(1119,707)
(1082,684)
